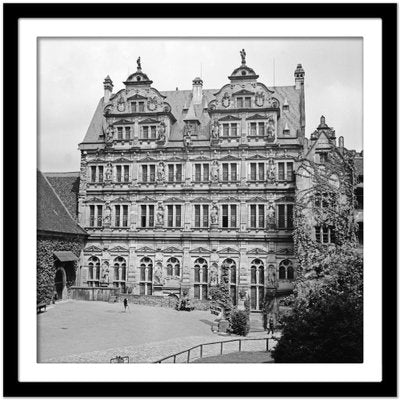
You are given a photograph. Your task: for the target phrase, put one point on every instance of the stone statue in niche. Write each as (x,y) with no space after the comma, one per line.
(161,132)
(271,276)
(108,172)
(214,128)
(214,171)
(109,133)
(271,129)
(214,214)
(106,272)
(187,135)
(214,275)
(271,177)
(161,171)
(158,275)
(270,217)
(160,214)
(107,216)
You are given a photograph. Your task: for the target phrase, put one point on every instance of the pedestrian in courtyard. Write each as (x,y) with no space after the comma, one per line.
(271,326)
(126,304)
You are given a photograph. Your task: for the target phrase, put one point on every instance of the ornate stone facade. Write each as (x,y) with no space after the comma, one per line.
(176,184)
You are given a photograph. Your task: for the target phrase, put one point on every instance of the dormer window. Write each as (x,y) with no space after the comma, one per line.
(137,106)
(323,157)
(243,102)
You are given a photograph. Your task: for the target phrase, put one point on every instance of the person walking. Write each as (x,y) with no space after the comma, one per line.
(270,326)
(126,304)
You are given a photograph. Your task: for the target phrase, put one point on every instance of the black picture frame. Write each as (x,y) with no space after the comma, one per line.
(12,386)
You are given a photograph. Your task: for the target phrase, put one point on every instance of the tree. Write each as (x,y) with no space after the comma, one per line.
(220,293)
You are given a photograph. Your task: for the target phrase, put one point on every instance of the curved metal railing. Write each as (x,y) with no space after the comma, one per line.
(221,350)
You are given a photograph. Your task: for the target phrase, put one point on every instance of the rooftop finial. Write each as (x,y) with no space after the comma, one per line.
(139,64)
(243,55)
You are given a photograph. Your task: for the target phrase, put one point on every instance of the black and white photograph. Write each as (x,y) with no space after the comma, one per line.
(184,197)
(200,200)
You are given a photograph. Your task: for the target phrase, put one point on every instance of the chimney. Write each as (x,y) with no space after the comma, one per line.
(299,76)
(108,87)
(197,91)
(341,144)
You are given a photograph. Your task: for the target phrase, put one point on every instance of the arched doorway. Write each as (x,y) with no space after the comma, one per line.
(60,283)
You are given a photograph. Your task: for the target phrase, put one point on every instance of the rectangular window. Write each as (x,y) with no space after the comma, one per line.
(101,168)
(178,176)
(151,215)
(125,216)
(119,168)
(247,102)
(197,216)
(91,217)
(261,171)
(318,234)
(145,132)
(233,172)
(281,216)
(239,102)
(289,215)
(126,173)
(253,171)
(127,132)
(233,216)
(170,216)
(197,172)
(289,172)
(143,216)
(233,129)
(224,172)
(152,173)
(323,158)
(205,216)
(93,174)
(133,107)
(261,220)
(225,129)
(281,171)
(178,216)
(170,173)
(225,216)
(206,172)
(253,216)
(325,235)
(120,137)
(117,216)
(253,129)
(144,173)
(153,132)
(261,128)
(141,106)
(99,215)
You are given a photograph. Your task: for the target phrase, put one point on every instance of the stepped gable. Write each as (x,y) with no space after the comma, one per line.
(52,215)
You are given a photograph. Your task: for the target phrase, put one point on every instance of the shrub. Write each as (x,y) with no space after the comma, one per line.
(240,324)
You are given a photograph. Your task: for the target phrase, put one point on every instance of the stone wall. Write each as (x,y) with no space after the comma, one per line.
(46,268)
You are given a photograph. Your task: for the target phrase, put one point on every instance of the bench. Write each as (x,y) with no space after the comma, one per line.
(41,307)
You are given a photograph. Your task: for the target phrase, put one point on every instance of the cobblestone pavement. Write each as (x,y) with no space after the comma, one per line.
(95,332)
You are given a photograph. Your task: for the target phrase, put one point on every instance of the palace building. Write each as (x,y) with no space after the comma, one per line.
(176,184)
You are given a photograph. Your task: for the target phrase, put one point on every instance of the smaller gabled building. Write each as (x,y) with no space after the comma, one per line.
(60,241)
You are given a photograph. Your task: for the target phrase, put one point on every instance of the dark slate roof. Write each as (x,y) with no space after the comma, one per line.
(66,185)
(52,215)
(180,101)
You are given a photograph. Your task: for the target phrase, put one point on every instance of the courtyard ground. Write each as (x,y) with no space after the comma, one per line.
(79,331)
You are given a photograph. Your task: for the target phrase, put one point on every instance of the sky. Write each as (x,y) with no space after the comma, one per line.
(71,74)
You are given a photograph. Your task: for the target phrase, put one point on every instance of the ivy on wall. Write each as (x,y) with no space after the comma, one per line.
(47,264)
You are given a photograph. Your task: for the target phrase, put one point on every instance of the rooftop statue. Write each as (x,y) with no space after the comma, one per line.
(243,55)
(139,65)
